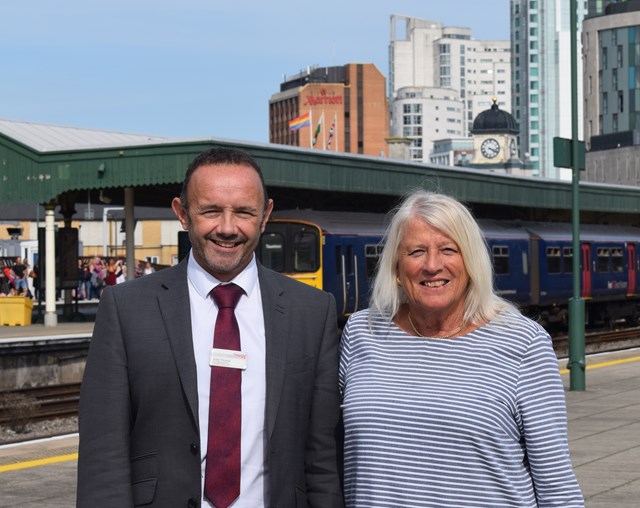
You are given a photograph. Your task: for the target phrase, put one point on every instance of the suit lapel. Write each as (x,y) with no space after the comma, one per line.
(276,324)
(173,300)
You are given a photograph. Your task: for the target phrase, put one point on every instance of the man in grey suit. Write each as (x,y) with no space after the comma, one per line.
(145,393)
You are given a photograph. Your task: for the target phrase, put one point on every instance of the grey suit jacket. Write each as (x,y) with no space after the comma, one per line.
(139,437)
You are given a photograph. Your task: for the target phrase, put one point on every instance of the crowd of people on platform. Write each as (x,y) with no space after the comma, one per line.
(18,278)
(96,274)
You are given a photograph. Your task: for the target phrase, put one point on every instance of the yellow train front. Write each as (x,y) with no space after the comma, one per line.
(333,251)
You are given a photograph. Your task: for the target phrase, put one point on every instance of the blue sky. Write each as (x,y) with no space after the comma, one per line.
(193,68)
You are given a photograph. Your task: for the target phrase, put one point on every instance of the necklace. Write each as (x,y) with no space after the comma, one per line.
(455,332)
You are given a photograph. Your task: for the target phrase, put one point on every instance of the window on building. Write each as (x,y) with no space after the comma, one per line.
(614,80)
(605,103)
(444,48)
(533,85)
(534,112)
(620,102)
(619,54)
(533,32)
(533,58)
(603,59)
(533,45)
(533,18)
(614,122)
(533,98)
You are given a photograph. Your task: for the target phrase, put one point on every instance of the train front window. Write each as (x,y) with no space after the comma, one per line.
(272,251)
(305,251)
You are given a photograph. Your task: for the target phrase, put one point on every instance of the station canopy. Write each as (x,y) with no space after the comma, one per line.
(43,163)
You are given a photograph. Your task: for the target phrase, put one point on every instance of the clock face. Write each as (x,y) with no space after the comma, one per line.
(490,148)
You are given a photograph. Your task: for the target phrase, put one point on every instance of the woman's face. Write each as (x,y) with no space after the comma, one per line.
(431,270)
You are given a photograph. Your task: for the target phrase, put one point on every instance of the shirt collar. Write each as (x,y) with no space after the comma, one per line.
(204,282)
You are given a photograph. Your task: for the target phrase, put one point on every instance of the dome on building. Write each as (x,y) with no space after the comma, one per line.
(495,120)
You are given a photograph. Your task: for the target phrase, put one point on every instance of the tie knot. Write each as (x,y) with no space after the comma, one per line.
(226,295)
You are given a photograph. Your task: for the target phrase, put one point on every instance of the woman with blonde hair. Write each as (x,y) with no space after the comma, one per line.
(451,396)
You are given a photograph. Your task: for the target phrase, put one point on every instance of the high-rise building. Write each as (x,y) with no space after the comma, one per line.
(440,79)
(343,109)
(611,51)
(541,76)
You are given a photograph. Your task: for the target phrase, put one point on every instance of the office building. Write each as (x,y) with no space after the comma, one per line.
(440,79)
(611,50)
(541,76)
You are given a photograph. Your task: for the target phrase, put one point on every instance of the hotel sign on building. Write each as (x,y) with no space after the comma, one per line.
(341,109)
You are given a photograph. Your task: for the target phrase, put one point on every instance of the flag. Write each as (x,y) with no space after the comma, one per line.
(317,132)
(299,122)
(331,131)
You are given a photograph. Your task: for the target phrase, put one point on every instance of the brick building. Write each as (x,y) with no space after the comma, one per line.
(341,108)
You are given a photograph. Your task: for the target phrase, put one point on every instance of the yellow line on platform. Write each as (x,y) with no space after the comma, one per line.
(39,462)
(606,364)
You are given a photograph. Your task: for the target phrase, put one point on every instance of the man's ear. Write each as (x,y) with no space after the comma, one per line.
(181,212)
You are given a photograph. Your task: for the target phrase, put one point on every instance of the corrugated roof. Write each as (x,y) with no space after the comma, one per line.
(52,138)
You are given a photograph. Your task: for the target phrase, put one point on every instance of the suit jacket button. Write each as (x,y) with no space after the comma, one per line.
(193,503)
(194,449)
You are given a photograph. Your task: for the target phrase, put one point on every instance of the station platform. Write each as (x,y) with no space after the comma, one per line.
(604,436)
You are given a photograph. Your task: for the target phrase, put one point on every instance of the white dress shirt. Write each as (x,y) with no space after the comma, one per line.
(252,338)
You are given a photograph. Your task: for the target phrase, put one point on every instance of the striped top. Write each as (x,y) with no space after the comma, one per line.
(475,421)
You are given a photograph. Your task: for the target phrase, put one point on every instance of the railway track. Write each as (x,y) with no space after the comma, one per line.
(39,403)
(600,341)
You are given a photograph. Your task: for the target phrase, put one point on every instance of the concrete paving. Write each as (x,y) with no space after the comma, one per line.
(604,435)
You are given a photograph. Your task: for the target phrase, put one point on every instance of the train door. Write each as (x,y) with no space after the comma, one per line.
(347,266)
(631,273)
(586,270)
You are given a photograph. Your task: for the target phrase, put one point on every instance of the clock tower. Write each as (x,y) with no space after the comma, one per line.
(495,141)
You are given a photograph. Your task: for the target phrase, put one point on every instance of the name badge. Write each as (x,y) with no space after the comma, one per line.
(228,358)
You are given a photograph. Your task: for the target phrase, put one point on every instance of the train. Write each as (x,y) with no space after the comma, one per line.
(533,262)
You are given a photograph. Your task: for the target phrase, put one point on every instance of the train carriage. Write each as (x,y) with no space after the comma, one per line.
(532,261)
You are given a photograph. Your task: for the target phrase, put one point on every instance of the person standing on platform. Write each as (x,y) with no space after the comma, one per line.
(214,382)
(451,396)
(19,270)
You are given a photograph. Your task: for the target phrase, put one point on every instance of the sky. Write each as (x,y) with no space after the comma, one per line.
(194,68)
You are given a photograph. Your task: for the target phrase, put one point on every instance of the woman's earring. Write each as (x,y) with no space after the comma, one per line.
(398,281)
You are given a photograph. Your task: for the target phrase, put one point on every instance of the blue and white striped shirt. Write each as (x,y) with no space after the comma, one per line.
(475,421)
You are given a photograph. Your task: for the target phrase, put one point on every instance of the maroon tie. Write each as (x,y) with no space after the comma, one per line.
(222,472)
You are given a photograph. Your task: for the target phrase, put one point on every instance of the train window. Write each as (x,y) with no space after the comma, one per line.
(372,254)
(500,256)
(305,249)
(617,260)
(602,259)
(553,260)
(567,259)
(272,251)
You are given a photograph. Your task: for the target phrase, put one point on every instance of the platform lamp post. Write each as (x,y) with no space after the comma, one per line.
(577,362)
